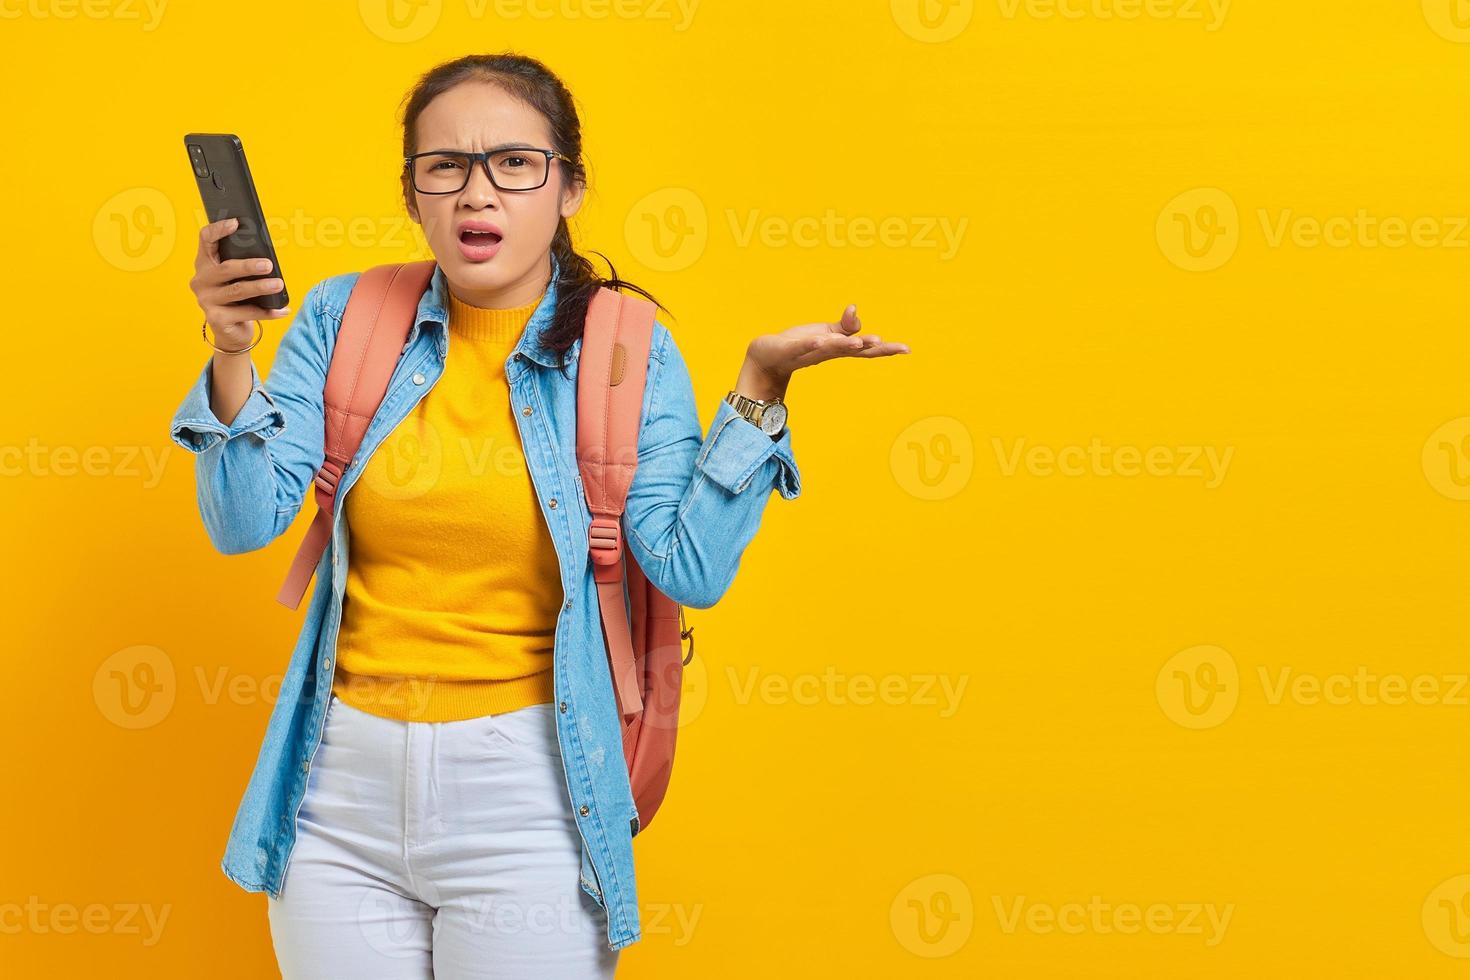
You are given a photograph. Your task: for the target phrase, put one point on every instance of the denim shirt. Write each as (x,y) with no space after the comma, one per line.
(693,506)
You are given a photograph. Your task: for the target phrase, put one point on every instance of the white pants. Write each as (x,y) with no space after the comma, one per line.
(443,850)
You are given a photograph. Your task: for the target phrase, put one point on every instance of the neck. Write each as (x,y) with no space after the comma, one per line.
(509,295)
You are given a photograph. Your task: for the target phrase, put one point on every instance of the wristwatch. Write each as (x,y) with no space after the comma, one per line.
(768,416)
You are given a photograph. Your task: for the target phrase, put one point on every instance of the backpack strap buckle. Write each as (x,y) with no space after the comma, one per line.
(329,475)
(605,540)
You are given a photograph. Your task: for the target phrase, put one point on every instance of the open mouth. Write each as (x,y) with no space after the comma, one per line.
(478,237)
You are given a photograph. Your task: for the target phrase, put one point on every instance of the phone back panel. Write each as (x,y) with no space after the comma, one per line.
(228,191)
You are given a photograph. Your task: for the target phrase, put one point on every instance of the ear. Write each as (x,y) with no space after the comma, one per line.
(571,198)
(410,200)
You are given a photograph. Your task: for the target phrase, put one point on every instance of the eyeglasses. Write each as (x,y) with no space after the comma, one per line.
(515,169)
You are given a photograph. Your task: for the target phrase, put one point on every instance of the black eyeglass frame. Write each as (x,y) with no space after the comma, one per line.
(483,158)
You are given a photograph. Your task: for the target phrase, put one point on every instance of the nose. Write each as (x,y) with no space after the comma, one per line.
(479,191)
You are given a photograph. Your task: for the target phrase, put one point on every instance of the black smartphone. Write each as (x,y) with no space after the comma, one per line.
(227,190)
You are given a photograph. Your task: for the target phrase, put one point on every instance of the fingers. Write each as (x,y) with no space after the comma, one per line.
(221,287)
(881,349)
(223,294)
(216,230)
(860,345)
(823,348)
(227,282)
(230,269)
(209,237)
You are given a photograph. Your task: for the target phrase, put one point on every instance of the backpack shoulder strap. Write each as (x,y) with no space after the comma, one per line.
(375,325)
(612,370)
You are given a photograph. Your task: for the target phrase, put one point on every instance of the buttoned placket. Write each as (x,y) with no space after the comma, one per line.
(516,370)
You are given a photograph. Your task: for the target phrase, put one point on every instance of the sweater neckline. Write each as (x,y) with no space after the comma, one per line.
(482,324)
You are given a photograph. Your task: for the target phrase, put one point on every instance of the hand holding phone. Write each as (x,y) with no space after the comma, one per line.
(237,278)
(225,288)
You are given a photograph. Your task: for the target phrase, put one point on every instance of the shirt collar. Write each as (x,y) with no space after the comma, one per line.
(434,309)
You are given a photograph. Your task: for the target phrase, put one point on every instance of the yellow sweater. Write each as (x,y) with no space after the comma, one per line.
(453,586)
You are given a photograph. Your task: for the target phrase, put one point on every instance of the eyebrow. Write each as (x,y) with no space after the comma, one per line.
(497,146)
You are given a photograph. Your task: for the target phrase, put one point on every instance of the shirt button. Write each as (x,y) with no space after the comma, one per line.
(569,603)
(552,503)
(305,765)
(563,707)
(526,410)
(584,811)
(418,377)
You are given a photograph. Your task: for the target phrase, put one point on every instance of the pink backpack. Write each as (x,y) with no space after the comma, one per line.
(644,649)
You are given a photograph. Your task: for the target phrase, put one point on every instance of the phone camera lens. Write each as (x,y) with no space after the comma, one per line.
(196,153)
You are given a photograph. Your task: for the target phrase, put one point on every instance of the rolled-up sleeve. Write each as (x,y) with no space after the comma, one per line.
(695,504)
(196,428)
(737,455)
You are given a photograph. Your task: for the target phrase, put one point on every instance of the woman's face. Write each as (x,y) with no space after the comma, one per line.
(478,116)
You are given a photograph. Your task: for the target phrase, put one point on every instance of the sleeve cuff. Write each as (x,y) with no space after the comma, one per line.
(735,451)
(196,428)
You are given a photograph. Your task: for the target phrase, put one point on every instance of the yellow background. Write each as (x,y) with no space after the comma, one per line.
(1116,733)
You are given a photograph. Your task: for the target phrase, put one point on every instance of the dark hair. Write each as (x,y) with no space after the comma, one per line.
(536,85)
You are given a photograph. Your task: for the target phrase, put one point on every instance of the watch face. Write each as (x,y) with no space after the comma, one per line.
(773,419)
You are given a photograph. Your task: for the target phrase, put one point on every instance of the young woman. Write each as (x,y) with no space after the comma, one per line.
(443,771)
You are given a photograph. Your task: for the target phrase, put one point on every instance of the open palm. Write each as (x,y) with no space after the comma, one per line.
(779,355)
